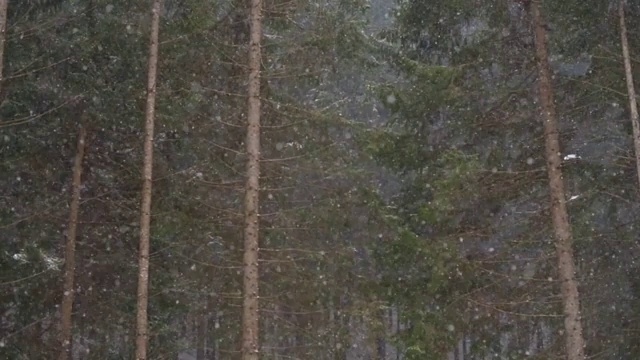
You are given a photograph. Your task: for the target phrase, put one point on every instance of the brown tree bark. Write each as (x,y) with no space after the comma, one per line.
(4,4)
(142,324)
(560,218)
(250,315)
(68,291)
(631,90)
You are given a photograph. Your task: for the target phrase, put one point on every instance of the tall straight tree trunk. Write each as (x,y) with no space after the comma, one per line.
(4,4)
(142,324)
(68,290)
(560,218)
(250,314)
(631,90)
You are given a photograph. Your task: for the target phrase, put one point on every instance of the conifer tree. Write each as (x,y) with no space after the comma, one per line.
(251,314)
(142,322)
(631,91)
(68,289)
(559,215)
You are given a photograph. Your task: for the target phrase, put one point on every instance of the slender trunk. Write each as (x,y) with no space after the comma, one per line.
(250,316)
(631,90)
(68,292)
(142,325)
(561,226)
(202,333)
(3,36)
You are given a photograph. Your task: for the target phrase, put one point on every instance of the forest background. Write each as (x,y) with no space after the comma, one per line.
(404,208)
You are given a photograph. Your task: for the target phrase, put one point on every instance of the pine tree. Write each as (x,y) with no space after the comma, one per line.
(564,243)
(68,289)
(250,314)
(633,107)
(142,322)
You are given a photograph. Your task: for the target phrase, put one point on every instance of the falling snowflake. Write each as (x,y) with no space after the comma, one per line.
(391,99)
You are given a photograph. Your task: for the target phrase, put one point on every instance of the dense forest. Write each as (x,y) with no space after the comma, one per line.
(319,179)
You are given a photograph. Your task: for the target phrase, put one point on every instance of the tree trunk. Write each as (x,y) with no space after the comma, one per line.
(68,292)
(202,334)
(250,328)
(3,36)
(142,325)
(560,218)
(631,90)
